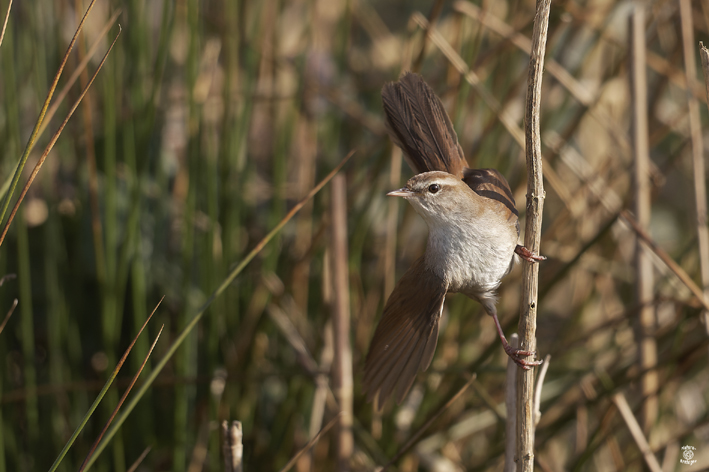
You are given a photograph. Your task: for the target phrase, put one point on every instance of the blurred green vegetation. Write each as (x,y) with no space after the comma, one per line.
(212,118)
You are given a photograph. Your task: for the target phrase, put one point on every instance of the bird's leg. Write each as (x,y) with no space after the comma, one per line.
(512,352)
(528,255)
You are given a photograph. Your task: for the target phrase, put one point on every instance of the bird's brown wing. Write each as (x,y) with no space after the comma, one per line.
(489,183)
(406,337)
(419,125)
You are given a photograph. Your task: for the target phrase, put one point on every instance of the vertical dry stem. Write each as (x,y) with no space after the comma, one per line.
(704,53)
(647,352)
(511,407)
(232,447)
(341,323)
(532,238)
(695,127)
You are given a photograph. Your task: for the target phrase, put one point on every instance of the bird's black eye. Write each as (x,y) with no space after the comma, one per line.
(434,188)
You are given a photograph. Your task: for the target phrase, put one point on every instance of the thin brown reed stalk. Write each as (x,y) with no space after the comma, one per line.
(51,144)
(635,430)
(511,406)
(695,127)
(8,315)
(647,346)
(125,394)
(4,23)
(310,444)
(704,53)
(664,257)
(139,460)
(342,381)
(532,237)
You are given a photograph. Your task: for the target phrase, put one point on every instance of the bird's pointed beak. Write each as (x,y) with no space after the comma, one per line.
(402,192)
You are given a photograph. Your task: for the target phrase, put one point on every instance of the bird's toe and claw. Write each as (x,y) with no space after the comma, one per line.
(517,354)
(528,255)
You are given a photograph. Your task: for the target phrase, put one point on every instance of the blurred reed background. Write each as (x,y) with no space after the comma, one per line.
(211,119)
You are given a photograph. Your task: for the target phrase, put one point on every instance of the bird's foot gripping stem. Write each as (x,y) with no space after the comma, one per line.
(528,255)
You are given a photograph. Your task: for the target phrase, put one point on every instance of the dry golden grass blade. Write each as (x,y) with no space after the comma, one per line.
(49,147)
(9,314)
(100,396)
(311,443)
(130,386)
(637,433)
(4,23)
(77,72)
(40,119)
(669,262)
(139,460)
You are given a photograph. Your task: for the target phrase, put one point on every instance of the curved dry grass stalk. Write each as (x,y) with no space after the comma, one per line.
(42,114)
(49,147)
(4,24)
(311,443)
(8,315)
(81,67)
(125,394)
(637,433)
(100,396)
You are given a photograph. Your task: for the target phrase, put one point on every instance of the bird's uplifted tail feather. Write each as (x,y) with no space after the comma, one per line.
(406,337)
(419,125)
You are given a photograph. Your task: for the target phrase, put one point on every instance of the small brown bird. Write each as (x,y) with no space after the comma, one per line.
(473,231)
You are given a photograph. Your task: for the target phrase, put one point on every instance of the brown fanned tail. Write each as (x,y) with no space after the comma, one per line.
(419,125)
